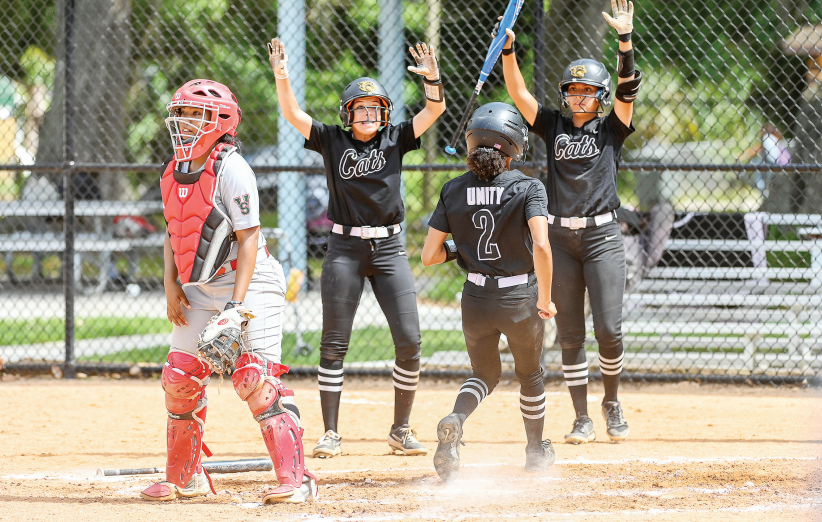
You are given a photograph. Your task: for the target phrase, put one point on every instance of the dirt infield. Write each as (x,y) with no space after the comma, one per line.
(695,453)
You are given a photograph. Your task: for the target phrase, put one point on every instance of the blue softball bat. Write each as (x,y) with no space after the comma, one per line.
(507,22)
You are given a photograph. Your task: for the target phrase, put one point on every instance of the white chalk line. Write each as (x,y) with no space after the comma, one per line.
(584,461)
(92,476)
(575,515)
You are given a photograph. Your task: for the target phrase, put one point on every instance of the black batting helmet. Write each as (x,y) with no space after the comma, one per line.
(361,88)
(498,126)
(589,72)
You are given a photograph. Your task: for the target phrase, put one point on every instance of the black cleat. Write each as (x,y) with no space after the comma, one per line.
(540,460)
(615,421)
(447,456)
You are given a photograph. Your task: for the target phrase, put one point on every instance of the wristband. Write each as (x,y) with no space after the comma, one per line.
(233,304)
(509,52)
(625,37)
(450,251)
(433,90)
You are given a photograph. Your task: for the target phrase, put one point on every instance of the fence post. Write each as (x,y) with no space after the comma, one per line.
(290,151)
(539,83)
(69,284)
(392,65)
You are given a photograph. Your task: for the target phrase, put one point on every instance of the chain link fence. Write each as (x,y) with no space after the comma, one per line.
(725,166)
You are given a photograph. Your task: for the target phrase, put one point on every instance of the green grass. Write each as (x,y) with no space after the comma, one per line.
(33,331)
(367,344)
(786,259)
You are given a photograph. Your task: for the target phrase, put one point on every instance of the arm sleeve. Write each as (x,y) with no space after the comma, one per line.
(319,136)
(439,219)
(619,130)
(536,201)
(405,137)
(238,190)
(544,121)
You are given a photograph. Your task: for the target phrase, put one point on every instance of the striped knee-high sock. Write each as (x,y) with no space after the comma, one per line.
(575,370)
(610,369)
(406,376)
(471,394)
(330,379)
(533,416)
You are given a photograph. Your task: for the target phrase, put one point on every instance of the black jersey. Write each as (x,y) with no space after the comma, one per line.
(489,221)
(363,177)
(582,162)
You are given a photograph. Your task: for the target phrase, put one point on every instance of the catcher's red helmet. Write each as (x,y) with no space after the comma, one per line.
(224,118)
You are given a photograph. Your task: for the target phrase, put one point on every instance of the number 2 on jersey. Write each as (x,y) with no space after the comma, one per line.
(484,220)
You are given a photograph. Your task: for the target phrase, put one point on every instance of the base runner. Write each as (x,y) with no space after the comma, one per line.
(496,217)
(215,248)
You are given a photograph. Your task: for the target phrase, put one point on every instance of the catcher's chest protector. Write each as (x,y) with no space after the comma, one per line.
(200,232)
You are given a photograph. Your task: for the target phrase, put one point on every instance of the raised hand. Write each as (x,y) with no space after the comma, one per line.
(623,19)
(278,59)
(426,62)
(509,43)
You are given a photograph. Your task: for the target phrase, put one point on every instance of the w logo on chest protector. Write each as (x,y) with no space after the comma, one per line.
(352,164)
(570,149)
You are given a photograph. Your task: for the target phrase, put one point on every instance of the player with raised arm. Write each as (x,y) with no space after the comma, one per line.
(583,161)
(215,248)
(363,166)
(497,219)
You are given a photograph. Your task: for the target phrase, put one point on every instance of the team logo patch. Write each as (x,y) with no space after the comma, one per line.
(367,86)
(183,192)
(222,322)
(242,202)
(577,71)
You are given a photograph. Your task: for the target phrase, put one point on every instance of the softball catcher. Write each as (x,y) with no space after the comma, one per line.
(582,187)
(215,248)
(363,167)
(496,217)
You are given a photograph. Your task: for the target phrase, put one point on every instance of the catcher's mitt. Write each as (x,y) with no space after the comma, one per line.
(221,341)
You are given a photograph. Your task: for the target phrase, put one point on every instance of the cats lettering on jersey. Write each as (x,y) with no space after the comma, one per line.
(567,148)
(351,165)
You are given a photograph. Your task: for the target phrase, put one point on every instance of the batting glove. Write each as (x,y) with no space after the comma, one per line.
(509,43)
(623,19)
(426,62)
(278,59)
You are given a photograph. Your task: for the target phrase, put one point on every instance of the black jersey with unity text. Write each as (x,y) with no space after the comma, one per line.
(363,177)
(488,221)
(582,162)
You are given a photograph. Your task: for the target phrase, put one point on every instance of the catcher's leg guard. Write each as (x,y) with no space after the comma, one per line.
(258,384)
(184,380)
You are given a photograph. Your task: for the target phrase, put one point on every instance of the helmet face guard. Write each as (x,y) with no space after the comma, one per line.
(221,115)
(588,72)
(365,87)
(498,126)
(186,144)
(370,113)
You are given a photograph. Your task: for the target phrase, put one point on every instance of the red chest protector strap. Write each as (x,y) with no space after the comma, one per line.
(199,231)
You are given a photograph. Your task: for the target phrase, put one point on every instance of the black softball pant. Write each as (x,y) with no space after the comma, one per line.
(516,315)
(383,261)
(592,257)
